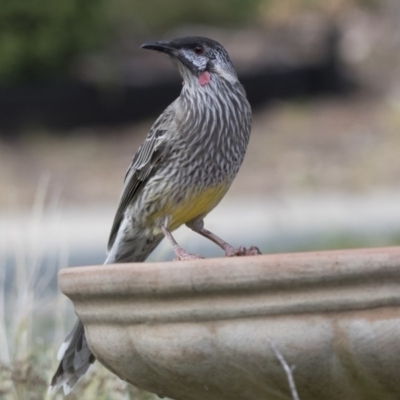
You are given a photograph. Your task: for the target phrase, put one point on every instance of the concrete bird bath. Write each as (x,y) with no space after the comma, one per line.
(200,330)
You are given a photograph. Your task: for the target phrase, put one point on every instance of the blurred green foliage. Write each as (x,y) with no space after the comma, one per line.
(158,15)
(39,37)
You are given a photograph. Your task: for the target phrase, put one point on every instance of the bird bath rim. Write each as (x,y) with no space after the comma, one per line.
(309,274)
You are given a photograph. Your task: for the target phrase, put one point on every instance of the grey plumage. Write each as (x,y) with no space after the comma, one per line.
(179,174)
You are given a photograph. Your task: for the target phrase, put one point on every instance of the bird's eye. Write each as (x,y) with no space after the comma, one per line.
(199,49)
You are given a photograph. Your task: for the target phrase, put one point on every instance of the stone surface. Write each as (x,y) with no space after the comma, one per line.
(199,330)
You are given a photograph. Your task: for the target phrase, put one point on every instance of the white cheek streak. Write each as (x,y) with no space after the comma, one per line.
(225,74)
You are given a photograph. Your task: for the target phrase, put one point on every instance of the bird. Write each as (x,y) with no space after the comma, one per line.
(181,171)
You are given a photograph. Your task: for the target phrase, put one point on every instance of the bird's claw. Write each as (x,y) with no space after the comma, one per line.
(253,251)
(242,251)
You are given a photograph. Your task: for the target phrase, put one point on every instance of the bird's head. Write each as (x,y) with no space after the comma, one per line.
(199,59)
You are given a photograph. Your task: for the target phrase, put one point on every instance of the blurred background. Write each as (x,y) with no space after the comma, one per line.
(78,96)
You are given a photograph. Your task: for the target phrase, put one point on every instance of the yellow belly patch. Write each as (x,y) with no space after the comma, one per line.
(194,205)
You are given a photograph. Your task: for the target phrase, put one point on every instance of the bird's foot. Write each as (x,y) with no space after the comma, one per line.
(182,255)
(253,251)
(242,251)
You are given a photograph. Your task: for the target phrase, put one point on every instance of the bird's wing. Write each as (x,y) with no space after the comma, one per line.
(144,163)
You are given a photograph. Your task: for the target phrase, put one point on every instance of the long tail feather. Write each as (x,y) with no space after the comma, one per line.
(75,359)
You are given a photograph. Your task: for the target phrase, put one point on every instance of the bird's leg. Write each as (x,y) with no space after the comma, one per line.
(180,252)
(230,251)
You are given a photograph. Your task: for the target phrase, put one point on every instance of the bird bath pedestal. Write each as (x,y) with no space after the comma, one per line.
(202,329)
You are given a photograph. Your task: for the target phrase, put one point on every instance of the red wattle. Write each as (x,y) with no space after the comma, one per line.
(204,78)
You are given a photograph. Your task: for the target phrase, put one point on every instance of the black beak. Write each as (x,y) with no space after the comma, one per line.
(167,48)
(164,47)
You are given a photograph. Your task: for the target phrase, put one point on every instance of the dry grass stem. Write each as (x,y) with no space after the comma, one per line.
(288,370)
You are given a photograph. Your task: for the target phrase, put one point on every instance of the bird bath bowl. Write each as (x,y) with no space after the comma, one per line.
(202,329)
